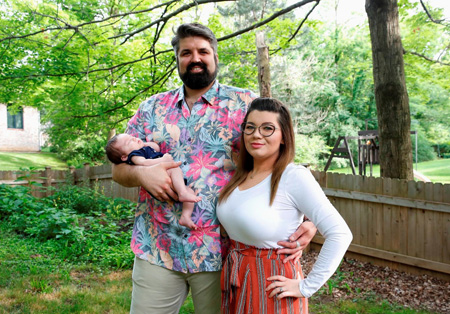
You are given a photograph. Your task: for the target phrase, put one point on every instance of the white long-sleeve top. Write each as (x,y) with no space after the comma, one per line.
(248,218)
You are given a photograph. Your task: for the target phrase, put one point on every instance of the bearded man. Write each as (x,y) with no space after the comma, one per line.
(199,125)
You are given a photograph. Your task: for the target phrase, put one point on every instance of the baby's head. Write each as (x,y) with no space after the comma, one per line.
(120,146)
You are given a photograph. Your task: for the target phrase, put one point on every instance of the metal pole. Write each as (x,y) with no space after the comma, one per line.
(416,151)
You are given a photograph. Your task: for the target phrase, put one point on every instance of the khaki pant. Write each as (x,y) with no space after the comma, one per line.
(157,290)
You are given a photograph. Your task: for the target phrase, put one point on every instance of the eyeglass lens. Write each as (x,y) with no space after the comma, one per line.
(264,129)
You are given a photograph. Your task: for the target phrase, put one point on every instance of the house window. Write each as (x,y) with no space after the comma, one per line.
(15,118)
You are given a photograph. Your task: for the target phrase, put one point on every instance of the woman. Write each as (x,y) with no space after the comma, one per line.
(265,201)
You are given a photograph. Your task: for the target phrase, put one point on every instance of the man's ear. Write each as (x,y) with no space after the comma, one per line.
(124,157)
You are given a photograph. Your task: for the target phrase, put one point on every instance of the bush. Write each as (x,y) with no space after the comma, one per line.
(98,231)
(425,150)
(310,149)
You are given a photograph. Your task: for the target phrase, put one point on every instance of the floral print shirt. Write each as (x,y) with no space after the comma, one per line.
(204,140)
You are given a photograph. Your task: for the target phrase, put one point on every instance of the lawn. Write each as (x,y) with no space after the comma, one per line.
(436,170)
(35,279)
(69,253)
(15,161)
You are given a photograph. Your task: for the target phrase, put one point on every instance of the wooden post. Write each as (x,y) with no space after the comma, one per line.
(263,66)
(73,174)
(48,178)
(87,175)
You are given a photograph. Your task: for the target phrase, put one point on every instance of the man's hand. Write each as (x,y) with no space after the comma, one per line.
(298,241)
(154,179)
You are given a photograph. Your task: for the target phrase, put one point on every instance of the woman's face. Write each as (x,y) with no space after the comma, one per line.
(260,147)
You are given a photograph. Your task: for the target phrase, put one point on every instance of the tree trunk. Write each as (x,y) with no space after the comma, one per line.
(391,95)
(263,66)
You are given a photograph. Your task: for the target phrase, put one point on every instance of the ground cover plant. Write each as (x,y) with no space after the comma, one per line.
(69,253)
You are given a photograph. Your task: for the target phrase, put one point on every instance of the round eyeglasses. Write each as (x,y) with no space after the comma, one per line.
(265,129)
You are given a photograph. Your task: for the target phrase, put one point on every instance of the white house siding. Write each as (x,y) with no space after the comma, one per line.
(26,139)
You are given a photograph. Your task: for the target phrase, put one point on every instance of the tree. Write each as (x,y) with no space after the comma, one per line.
(88,64)
(391,95)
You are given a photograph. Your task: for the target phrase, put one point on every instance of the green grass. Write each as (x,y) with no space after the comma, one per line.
(35,279)
(15,161)
(436,170)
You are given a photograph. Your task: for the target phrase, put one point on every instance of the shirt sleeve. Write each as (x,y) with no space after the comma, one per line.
(309,198)
(141,123)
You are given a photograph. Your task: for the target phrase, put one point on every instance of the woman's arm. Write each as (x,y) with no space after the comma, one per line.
(308,197)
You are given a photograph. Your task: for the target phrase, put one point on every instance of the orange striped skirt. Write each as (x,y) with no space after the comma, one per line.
(244,282)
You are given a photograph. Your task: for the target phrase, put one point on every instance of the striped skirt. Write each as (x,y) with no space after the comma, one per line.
(244,282)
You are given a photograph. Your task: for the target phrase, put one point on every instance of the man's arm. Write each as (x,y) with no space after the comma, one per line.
(303,235)
(154,179)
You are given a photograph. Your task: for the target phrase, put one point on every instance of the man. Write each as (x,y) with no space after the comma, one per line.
(199,125)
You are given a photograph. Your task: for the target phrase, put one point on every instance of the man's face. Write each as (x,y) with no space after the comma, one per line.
(197,62)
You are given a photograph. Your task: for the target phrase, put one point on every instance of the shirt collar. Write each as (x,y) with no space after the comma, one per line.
(208,96)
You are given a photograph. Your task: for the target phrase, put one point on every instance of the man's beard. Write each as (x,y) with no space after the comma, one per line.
(198,80)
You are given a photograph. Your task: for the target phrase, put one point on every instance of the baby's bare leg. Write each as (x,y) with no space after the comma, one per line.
(186,213)
(185,194)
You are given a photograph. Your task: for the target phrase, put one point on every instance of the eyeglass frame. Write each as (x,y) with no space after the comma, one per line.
(243,125)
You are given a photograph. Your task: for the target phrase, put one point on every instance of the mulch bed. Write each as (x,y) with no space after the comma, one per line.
(360,280)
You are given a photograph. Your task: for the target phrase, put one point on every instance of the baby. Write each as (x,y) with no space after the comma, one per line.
(131,150)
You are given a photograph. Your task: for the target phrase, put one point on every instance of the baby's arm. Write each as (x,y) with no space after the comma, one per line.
(142,161)
(153,145)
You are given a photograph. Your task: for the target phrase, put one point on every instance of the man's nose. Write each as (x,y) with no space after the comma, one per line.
(196,57)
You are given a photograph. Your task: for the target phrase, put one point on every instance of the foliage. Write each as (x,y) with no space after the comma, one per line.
(83,225)
(425,151)
(88,65)
(427,65)
(87,70)
(309,149)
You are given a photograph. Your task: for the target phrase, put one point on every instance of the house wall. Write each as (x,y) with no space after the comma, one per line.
(26,139)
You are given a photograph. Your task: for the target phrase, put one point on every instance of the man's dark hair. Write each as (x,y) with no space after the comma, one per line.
(191,30)
(113,152)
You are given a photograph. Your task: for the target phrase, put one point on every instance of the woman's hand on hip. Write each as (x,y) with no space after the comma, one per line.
(282,287)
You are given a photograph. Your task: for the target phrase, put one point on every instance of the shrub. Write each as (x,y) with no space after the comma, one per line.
(97,231)
(309,149)
(425,151)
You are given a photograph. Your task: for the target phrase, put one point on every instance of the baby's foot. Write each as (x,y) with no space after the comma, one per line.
(188,197)
(185,220)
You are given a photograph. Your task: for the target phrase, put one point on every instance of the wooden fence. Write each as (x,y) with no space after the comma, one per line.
(401,224)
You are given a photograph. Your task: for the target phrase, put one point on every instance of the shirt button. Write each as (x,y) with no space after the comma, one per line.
(189,139)
(185,235)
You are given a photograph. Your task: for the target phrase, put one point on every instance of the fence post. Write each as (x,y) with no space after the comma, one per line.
(48,178)
(73,175)
(86,175)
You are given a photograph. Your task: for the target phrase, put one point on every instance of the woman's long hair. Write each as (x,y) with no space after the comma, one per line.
(286,154)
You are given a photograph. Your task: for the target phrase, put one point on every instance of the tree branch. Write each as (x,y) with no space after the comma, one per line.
(165,18)
(299,26)
(426,58)
(88,71)
(271,18)
(162,78)
(429,15)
